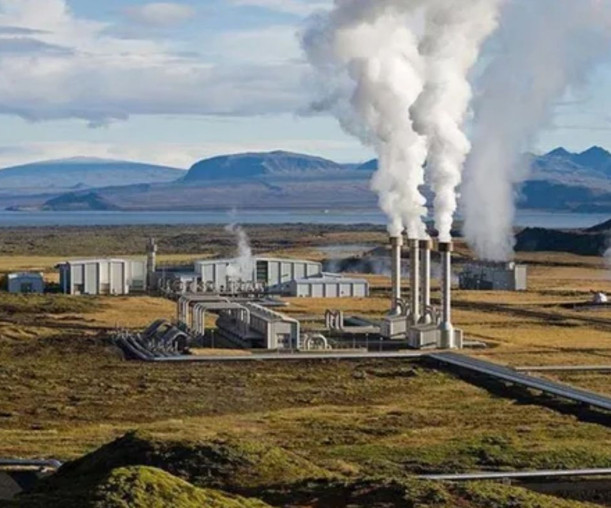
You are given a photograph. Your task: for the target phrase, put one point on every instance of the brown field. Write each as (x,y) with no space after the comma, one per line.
(67,390)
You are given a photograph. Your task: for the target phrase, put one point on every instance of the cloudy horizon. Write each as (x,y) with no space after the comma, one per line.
(175,82)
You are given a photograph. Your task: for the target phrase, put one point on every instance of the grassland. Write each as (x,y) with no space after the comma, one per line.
(67,391)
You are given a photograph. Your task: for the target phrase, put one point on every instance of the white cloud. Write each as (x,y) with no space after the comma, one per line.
(297,7)
(99,77)
(160,14)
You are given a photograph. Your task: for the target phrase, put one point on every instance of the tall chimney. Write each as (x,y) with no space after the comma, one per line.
(447,330)
(151,263)
(396,243)
(415,280)
(425,277)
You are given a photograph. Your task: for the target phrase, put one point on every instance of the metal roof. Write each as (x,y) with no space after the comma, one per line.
(329,280)
(93,260)
(17,275)
(255,259)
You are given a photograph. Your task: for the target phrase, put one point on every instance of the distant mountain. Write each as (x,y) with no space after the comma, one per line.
(80,173)
(256,166)
(79,202)
(559,180)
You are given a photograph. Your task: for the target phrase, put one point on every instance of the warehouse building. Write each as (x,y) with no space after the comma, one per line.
(329,286)
(102,276)
(25,282)
(272,274)
(260,328)
(494,277)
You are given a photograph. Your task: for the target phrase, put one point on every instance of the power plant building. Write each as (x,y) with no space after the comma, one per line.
(273,274)
(329,286)
(102,276)
(494,277)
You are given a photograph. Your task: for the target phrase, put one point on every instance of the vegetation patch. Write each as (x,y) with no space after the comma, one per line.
(133,487)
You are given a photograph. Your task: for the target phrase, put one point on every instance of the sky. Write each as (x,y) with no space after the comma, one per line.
(175,82)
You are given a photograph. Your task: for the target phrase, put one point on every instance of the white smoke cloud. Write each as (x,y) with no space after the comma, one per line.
(546,47)
(366,57)
(451,47)
(243,265)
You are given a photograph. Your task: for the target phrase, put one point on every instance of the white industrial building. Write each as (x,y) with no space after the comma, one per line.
(273,274)
(494,277)
(25,282)
(329,286)
(102,276)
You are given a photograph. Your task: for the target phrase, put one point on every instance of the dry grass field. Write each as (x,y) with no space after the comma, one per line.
(67,390)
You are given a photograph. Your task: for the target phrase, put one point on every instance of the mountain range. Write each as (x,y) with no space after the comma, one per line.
(82,172)
(559,180)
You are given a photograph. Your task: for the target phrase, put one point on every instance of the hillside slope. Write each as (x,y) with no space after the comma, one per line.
(79,173)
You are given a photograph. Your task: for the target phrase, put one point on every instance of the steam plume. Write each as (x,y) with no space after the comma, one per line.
(367,51)
(546,47)
(242,267)
(451,47)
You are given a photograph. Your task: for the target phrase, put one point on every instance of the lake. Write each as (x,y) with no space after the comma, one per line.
(524,218)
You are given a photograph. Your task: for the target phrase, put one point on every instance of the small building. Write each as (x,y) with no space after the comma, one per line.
(102,276)
(329,286)
(25,282)
(494,277)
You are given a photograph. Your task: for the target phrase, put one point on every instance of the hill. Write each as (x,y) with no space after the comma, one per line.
(562,180)
(254,166)
(559,180)
(79,202)
(592,241)
(79,173)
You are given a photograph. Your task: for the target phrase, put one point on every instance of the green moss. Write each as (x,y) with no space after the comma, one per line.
(136,487)
(227,463)
(496,495)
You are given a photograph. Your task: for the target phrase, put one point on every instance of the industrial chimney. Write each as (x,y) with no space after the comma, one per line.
(445,328)
(396,243)
(151,263)
(425,278)
(414,281)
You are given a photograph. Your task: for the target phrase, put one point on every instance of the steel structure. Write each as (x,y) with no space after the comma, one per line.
(509,375)
(517,475)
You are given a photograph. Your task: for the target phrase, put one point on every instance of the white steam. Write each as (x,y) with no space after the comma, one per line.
(365,53)
(451,47)
(241,269)
(545,48)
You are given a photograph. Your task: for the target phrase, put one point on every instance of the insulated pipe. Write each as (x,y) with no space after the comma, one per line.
(446,329)
(415,281)
(396,243)
(425,278)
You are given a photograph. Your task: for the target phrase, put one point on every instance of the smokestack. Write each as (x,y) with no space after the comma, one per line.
(396,243)
(151,262)
(425,276)
(415,280)
(446,328)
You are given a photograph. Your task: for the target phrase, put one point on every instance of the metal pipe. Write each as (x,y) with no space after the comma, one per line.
(425,277)
(447,330)
(415,281)
(396,243)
